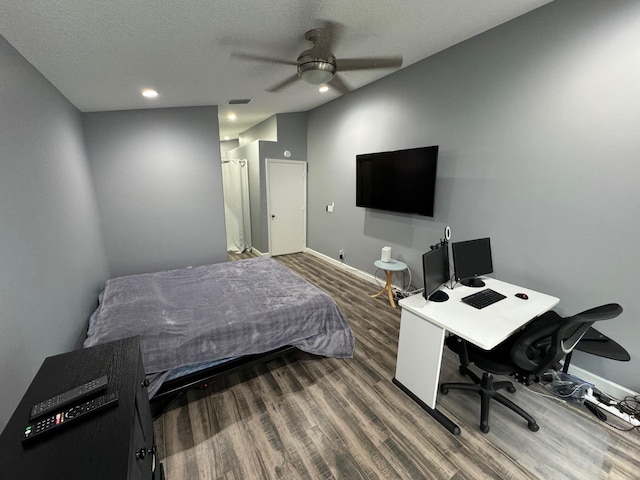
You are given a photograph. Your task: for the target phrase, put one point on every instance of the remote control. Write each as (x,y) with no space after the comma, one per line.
(54,422)
(67,398)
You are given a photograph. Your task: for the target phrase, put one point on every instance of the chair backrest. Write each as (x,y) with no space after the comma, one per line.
(547,339)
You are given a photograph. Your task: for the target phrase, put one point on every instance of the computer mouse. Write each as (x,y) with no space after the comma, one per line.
(523,296)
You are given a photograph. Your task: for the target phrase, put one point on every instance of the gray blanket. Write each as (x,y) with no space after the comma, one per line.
(211,312)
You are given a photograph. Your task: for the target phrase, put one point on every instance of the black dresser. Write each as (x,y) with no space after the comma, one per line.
(114,443)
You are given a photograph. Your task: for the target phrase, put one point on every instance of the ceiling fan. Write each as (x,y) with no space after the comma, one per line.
(318,66)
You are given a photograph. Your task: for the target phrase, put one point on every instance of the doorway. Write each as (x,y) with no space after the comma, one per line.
(237,214)
(286,182)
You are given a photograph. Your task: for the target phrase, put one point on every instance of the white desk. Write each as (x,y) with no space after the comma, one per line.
(423,325)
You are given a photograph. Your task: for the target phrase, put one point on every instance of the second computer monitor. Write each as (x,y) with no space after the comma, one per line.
(435,270)
(471,259)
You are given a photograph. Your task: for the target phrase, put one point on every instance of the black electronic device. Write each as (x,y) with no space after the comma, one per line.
(523,296)
(69,397)
(64,417)
(593,408)
(472,258)
(400,181)
(435,271)
(483,298)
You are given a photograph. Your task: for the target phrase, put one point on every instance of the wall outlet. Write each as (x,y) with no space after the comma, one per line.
(341,254)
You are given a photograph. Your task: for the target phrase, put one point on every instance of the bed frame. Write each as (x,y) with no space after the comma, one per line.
(173,389)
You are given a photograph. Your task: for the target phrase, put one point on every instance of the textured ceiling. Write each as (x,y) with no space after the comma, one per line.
(100,54)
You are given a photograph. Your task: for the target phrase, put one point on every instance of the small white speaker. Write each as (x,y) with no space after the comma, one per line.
(385,256)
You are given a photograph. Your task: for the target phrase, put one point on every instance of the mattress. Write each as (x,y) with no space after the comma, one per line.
(214,312)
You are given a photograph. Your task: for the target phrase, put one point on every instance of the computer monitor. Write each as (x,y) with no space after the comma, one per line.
(435,270)
(471,259)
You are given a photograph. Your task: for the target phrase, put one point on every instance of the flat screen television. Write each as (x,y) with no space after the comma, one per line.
(402,181)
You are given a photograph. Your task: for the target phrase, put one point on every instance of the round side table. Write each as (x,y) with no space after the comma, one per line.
(389,267)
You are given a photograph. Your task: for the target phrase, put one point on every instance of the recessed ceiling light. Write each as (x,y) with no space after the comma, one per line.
(323,88)
(149,93)
(231,116)
(226,137)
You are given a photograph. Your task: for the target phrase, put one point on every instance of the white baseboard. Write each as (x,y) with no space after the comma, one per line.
(354,271)
(378,282)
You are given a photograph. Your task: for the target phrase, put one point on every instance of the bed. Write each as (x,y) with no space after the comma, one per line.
(195,322)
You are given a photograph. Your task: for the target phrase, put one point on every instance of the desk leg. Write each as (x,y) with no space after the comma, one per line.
(440,417)
(420,347)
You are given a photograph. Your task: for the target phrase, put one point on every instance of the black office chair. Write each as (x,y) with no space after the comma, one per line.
(526,355)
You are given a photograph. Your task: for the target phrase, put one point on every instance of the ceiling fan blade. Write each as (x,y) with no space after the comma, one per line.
(338,84)
(351,64)
(260,58)
(285,83)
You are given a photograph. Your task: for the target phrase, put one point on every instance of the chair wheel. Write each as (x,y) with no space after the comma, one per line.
(444,390)
(511,389)
(484,428)
(533,427)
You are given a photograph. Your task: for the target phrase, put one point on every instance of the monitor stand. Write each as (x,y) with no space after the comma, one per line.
(438,296)
(474,282)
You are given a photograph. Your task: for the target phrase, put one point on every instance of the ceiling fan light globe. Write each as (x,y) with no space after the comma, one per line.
(316,72)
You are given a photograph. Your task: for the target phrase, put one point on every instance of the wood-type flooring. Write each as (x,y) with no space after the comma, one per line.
(308,417)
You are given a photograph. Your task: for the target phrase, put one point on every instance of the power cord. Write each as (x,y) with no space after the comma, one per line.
(630,405)
(545,395)
(627,409)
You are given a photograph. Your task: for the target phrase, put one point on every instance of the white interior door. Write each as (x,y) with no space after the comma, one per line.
(286,205)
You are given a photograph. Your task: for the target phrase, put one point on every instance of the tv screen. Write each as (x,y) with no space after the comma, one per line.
(402,181)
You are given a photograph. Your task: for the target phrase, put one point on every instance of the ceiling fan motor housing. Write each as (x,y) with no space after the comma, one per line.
(316,67)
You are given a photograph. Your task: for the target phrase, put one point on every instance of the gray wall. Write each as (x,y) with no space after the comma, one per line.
(537,122)
(265,130)
(52,257)
(159,186)
(226,146)
(292,136)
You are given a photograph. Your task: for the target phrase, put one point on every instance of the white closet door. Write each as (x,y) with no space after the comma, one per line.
(287,205)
